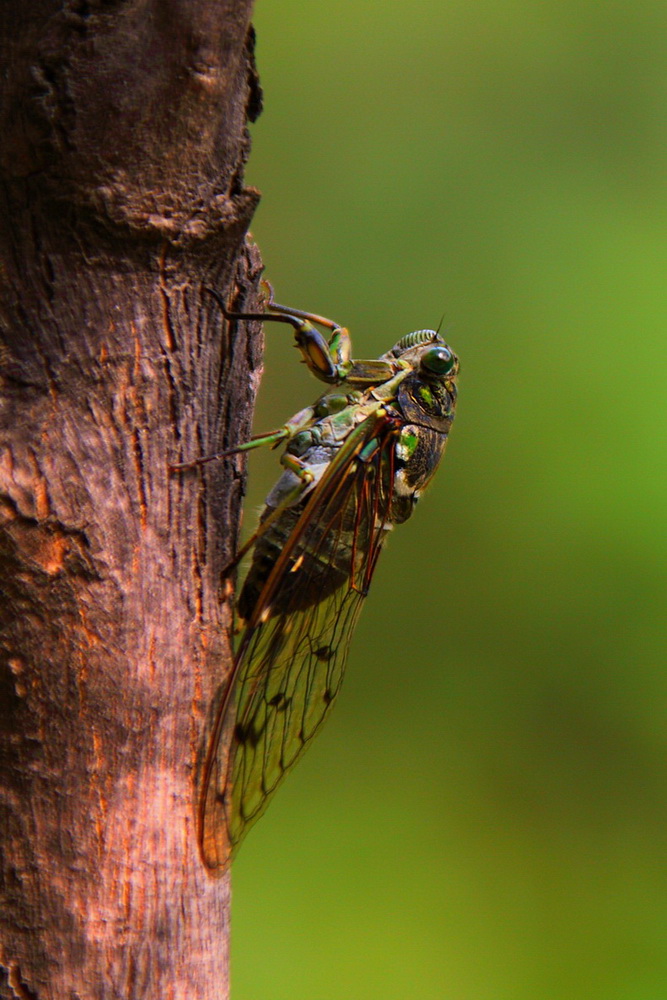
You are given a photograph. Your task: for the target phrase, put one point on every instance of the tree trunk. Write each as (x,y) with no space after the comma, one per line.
(124,137)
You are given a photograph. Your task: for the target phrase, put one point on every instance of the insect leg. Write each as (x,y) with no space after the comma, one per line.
(299,421)
(339,348)
(328,361)
(274,438)
(304,479)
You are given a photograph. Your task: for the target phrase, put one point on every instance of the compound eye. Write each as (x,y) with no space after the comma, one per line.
(438,360)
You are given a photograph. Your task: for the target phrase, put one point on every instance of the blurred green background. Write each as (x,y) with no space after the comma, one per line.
(484,817)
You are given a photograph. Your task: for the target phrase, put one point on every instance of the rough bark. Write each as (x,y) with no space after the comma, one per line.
(124,138)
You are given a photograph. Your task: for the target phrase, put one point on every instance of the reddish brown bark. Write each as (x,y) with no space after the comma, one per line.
(121,187)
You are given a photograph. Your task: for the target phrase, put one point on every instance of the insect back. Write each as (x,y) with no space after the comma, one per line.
(354,464)
(323,561)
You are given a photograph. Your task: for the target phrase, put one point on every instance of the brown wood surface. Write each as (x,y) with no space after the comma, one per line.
(123,136)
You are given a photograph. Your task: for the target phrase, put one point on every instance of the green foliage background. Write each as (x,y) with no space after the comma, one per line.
(485,815)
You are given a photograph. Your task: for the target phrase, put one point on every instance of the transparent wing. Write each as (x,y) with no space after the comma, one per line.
(292,656)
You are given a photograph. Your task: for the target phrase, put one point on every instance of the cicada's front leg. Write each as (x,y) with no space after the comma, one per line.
(327,360)
(331,361)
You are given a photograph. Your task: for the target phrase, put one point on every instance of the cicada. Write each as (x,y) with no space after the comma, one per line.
(355,463)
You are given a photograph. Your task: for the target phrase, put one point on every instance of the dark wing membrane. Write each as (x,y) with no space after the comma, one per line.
(292,656)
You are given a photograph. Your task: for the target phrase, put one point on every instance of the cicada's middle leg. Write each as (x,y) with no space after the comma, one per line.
(304,477)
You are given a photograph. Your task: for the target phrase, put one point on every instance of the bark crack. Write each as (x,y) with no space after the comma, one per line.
(19,987)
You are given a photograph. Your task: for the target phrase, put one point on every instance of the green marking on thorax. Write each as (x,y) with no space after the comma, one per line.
(425,395)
